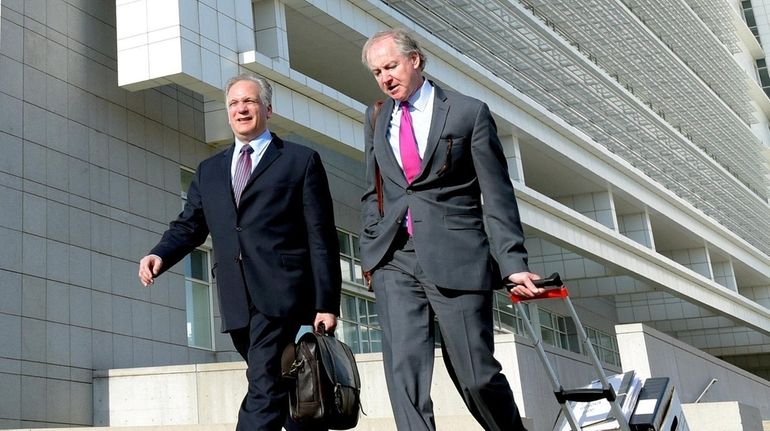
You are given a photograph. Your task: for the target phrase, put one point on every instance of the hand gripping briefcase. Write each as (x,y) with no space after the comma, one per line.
(325,387)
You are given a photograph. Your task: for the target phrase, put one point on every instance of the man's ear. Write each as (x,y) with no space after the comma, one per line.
(269,110)
(416,60)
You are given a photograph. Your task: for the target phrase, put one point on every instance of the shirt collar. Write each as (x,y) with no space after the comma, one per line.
(258,144)
(419,100)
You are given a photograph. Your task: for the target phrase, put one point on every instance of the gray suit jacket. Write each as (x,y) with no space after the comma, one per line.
(463,160)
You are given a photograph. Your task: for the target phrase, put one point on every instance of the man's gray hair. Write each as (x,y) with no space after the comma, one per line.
(265,89)
(405,44)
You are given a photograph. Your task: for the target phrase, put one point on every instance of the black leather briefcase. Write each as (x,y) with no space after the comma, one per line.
(325,387)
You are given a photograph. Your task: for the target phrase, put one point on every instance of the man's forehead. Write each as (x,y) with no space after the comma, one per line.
(243,89)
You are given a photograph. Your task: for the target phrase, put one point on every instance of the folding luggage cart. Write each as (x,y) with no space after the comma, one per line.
(556,289)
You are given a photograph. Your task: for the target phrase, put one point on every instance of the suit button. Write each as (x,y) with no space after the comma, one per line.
(238,228)
(409,192)
(398,221)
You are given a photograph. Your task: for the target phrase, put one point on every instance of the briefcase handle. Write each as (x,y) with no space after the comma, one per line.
(322,330)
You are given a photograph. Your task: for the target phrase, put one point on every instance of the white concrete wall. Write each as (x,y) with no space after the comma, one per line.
(727,416)
(654,354)
(212,393)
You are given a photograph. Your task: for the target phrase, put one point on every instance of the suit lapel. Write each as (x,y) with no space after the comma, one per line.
(383,152)
(272,152)
(225,167)
(438,120)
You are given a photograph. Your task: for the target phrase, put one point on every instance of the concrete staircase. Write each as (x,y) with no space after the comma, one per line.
(449,423)
(207,397)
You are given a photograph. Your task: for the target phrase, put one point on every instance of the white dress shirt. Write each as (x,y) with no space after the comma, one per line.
(421,111)
(259,145)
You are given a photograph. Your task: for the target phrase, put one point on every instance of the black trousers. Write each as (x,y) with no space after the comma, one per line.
(266,405)
(407,303)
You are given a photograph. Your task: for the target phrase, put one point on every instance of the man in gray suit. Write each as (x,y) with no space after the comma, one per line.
(430,156)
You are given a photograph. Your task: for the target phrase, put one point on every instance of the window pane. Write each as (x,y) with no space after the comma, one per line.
(573,341)
(345,268)
(197,265)
(348,308)
(751,21)
(199,318)
(342,237)
(375,340)
(545,318)
(359,273)
(606,341)
(548,336)
(355,247)
(186,178)
(363,315)
(374,319)
(562,325)
(349,333)
(508,322)
(366,346)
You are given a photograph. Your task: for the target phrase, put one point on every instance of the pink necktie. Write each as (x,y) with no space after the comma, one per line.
(410,157)
(242,172)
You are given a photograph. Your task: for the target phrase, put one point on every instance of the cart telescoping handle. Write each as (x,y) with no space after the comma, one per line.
(557,289)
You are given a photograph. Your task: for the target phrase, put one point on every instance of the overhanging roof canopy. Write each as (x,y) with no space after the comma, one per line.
(601,69)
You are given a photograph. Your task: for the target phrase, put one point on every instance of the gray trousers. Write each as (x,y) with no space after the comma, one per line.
(407,303)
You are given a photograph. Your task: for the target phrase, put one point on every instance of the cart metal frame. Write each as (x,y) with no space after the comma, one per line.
(558,290)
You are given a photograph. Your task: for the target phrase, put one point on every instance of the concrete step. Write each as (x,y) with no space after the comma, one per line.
(444,423)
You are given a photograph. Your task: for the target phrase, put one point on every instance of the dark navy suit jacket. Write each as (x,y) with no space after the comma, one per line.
(283,231)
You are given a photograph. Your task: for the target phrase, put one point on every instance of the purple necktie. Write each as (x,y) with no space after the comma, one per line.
(410,157)
(242,172)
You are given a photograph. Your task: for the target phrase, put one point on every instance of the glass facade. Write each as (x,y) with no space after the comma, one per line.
(506,317)
(553,329)
(748,14)
(350,261)
(605,345)
(359,324)
(197,284)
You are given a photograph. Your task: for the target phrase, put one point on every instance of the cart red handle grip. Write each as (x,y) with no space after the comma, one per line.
(560,292)
(553,280)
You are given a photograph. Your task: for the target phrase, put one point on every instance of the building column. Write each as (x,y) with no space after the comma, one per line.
(513,157)
(637,227)
(724,274)
(270,29)
(217,124)
(170,42)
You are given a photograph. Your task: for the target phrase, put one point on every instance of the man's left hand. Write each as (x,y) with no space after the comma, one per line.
(328,319)
(523,286)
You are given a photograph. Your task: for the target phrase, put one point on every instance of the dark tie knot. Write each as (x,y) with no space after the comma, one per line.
(247,149)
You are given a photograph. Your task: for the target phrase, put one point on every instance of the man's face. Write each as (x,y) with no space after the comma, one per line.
(398,75)
(246,113)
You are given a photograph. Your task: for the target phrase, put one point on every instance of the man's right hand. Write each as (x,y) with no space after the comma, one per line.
(149,267)
(523,286)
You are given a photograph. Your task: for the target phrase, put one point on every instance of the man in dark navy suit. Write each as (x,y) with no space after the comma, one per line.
(267,205)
